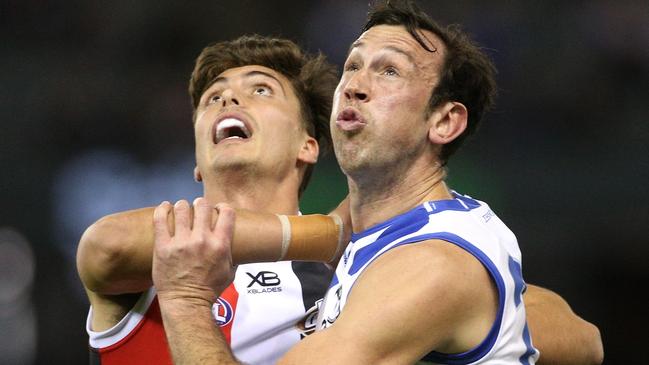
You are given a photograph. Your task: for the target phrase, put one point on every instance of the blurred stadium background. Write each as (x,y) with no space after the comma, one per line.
(95,118)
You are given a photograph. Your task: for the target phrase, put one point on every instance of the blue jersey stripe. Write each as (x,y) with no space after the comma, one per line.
(460,203)
(403,225)
(519,285)
(525,358)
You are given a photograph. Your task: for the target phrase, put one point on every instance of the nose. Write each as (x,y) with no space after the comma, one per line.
(228,97)
(357,88)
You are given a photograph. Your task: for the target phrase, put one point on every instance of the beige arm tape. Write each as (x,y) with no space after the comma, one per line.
(313,237)
(286,235)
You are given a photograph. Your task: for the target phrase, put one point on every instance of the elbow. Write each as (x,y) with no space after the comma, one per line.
(595,345)
(98,255)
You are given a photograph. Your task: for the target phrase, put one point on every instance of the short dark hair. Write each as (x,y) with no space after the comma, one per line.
(313,78)
(467,75)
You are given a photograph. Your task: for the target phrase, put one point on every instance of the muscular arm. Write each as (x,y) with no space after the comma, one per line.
(114,257)
(562,337)
(110,262)
(114,254)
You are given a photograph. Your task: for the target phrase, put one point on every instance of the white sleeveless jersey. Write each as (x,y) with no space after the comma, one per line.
(471,225)
(266,310)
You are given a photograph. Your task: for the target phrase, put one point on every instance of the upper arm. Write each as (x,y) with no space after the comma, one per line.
(560,335)
(413,299)
(115,253)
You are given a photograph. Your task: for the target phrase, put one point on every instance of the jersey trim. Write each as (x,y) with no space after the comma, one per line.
(531,351)
(133,319)
(460,203)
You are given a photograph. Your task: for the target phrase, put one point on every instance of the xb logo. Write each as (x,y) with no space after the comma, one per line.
(264,278)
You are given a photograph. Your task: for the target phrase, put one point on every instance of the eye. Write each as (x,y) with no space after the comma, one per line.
(390,71)
(264,90)
(351,67)
(214,99)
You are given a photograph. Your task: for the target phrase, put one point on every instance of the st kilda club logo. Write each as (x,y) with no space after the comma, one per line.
(222,311)
(264,282)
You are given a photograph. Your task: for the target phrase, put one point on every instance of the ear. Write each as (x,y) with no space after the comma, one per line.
(448,121)
(309,151)
(197,175)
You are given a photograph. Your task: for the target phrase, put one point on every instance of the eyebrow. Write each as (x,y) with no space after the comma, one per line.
(250,74)
(359,44)
(355,44)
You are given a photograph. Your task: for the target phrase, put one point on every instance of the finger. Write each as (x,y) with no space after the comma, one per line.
(202,215)
(160,226)
(224,230)
(215,213)
(218,206)
(183,220)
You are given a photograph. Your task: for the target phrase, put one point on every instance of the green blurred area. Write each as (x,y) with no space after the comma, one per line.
(328,185)
(327,188)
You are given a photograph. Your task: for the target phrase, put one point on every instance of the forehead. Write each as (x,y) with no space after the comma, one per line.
(396,37)
(250,75)
(253,72)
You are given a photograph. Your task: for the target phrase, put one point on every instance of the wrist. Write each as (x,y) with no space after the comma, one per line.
(183,301)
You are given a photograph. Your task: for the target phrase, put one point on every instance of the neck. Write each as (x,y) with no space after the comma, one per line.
(258,194)
(374,200)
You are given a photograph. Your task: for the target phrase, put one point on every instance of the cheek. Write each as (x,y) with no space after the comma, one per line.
(392,106)
(281,126)
(202,122)
(405,103)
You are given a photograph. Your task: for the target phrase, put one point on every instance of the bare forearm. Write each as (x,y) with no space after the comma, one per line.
(259,237)
(192,335)
(115,253)
(562,337)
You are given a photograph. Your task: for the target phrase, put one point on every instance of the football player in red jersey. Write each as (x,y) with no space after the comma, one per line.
(261,109)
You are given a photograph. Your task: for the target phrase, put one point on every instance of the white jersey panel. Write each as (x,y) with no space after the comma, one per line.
(256,337)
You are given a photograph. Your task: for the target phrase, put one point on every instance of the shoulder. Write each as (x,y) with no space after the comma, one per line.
(433,290)
(436,265)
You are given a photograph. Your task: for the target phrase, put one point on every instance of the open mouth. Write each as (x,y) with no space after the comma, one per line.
(230,128)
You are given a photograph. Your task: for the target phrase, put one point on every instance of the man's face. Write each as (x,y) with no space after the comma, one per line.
(379,110)
(249,118)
